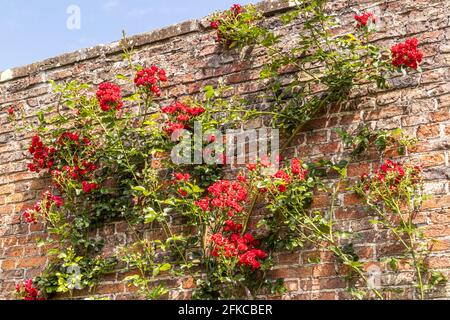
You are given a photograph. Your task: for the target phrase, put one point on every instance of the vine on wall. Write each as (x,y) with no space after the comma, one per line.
(103,153)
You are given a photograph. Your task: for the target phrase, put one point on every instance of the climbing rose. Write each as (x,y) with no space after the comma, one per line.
(250,257)
(364,18)
(42,155)
(282,175)
(242,178)
(109,96)
(241,247)
(48,200)
(236,9)
(390,175)
(149,79)
(215,24)
(27,291)
(172,127)
(88,187)
(182,177)
(11,111)
(29,216)
(407,54)
(179,115)
(203,204)
(182,192)
(72,137)
(230,225)
(297,169)
(51,199)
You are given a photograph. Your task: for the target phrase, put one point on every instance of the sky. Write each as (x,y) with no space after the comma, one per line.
(33,30)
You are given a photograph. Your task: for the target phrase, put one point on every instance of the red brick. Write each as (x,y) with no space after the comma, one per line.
(350,213)
(297,272)
(441,115)
(189,283)
(14,252)
(32,262)
(291,285)
(288,258)
(8,265)
(437,202)
(357,169)
(323,296)
(332,283)
(428,131)
(111,288)
(352,199)
(320,201)
(324,270)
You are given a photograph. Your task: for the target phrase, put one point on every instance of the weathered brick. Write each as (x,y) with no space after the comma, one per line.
(30,262)
(428,131)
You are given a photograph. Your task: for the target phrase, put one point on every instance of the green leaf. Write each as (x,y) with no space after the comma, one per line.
(150,215)
(209,92)
(165,267)
(123,77)
(142,190)
(40,242)
(314,260)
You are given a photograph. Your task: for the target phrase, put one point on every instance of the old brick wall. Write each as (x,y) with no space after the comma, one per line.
(187,51)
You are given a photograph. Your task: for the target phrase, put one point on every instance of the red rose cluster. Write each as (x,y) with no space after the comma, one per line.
(297,169)
(407,54)
(179,116)
(82,170)
(241,247)
(109,97)
(50,199)
(181,178)
(226,196)
(73,137)
(264,163)
(234,11)
(89,186)
(42,207)
(286,177)
(77,172)
(229,199)
(150,78)
(29,216)
(363,19)
(392,174)
(27,292)
(42,155)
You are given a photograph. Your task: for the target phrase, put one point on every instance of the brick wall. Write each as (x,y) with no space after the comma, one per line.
(187,51)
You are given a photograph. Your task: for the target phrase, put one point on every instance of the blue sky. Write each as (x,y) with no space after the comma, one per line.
(33,30)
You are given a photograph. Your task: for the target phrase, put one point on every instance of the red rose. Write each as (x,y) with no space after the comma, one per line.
(109,96)
(88,187)
(406,54)
(215,24)
(363,19)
